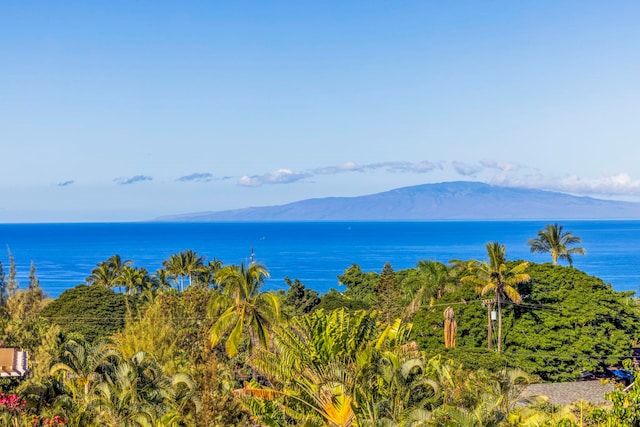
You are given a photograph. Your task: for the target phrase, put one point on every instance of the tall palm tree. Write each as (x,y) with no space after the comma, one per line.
(195,265)
(241,307)
(107,273)
(134,280)
(162,279)
(185,264)
(553,240)
(494,276)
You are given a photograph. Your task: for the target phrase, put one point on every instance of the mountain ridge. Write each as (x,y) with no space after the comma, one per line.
(456,200)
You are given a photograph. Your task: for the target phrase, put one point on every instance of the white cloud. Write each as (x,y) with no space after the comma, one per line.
(508,174)
(281,176)
(345,167)
(502,171)
(607,186)
(466,169)
(405,167)
(392,166)
(614,185)
(425,166)
(287,176)
(500,166)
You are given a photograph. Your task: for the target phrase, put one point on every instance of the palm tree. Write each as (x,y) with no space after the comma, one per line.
(392,386)
(435,279)
(138,393)
(81,363)
(242,307)
(495,399)
(134,280)
(128,278)
(184,264)
(162,279)
(506,387)
(208,273)
(106,273)
(552,239)
(494,276)
(437,274)
(195,265)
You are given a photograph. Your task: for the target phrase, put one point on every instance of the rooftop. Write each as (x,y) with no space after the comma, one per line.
(570,392)
(13,362)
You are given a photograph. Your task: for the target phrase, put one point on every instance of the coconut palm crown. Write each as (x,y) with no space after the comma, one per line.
(553,240)
(495,277)
(241,307)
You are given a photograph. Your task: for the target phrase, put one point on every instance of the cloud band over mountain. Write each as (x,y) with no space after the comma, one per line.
(508,174)
(288,176)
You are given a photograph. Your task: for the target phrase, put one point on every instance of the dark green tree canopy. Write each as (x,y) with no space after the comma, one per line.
(388,295)
(567,322)
(299,299)
(360,285)
(92,311)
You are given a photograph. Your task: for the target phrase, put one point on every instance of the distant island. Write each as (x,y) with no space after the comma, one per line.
(460,200)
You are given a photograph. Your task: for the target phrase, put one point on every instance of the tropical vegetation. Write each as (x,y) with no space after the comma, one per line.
(495,277)
(199,343)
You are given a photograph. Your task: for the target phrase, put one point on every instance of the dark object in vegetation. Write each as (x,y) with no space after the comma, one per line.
(621,375)
(450,327)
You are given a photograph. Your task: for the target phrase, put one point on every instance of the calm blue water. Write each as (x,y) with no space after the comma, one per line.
(315,253)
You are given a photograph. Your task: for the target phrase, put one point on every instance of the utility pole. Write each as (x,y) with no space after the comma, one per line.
(489,304)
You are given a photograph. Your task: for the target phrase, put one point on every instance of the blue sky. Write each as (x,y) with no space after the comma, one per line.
(119,110)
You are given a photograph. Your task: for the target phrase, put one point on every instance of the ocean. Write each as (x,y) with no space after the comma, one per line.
(314,252)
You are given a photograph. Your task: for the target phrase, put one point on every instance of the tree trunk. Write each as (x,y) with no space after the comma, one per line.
(499,322)
(489,327)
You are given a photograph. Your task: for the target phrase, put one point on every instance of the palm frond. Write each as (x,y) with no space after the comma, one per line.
(226,321)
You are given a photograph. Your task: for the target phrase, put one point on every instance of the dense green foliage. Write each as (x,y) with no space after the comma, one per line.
(388,295)
(298,299)
(573,322)
(200,344)
(92,311)
(567,322)
(360,285)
